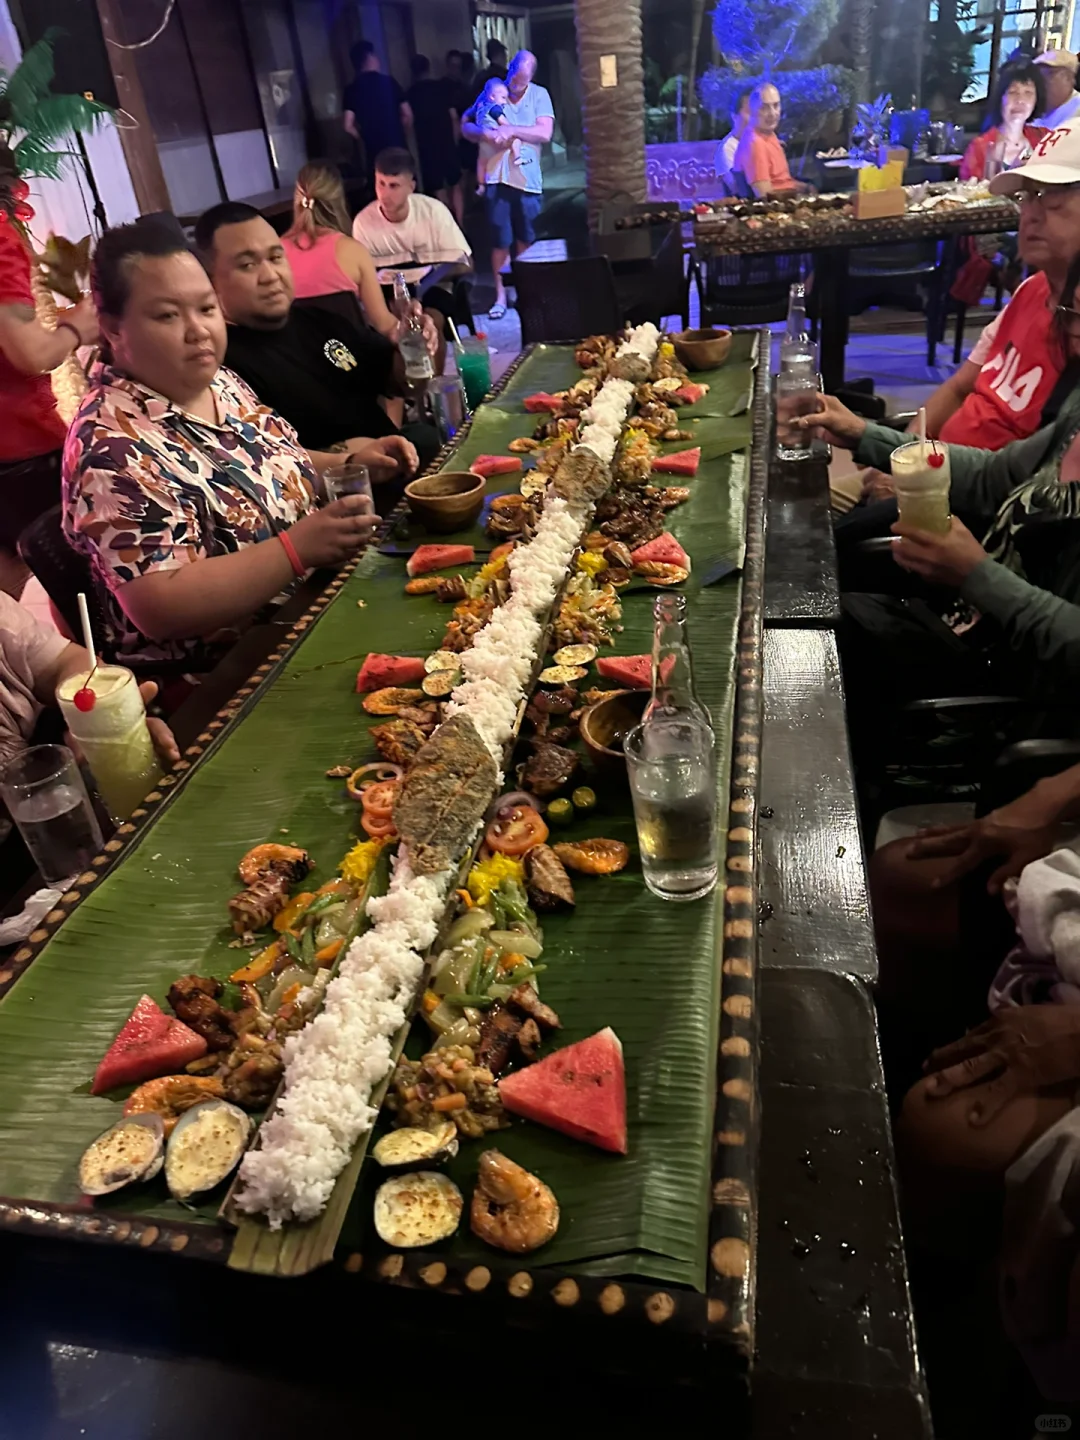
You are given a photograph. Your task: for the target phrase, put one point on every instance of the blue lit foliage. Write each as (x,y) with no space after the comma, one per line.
(771,40)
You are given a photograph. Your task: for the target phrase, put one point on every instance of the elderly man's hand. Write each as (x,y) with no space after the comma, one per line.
(387,458)
(942,559)
(876,485)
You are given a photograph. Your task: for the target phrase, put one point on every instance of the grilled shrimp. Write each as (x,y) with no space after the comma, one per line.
(170,1096)
(512,1209)
(287,860)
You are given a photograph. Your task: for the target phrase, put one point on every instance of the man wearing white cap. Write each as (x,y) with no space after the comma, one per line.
(1013,381)
(1059,76)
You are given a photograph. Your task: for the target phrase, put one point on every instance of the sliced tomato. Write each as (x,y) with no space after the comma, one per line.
(378,829)
(516,831)
(378,799)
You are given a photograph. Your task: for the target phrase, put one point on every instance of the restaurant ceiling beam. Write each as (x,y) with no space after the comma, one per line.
(613,100)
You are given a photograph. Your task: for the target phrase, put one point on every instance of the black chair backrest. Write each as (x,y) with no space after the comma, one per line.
(63,572)
(559,300)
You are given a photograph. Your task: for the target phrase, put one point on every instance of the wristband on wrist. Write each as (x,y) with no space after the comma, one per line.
(67,325)
(299,568)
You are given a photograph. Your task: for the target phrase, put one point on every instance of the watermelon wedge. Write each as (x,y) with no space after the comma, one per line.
(438,557)
(378,671)
(665,549)
(689,394)
(683,462)
(541,401)
(580,1090)
(495,465)
(151,1043)
(632,671)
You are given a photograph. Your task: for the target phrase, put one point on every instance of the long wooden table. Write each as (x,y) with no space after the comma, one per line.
(138,1343)
(830,239)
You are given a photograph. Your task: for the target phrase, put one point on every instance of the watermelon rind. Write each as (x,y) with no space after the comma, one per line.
(438,557)
(150,1043)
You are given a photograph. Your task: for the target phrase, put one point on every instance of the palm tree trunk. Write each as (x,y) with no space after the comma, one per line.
(613,114)
(697,18)
(862,21)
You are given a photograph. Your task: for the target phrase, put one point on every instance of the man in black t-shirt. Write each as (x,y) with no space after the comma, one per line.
(432,105)
(376,112)
(323,370)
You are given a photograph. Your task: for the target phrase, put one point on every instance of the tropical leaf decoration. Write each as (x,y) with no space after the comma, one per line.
(34,121)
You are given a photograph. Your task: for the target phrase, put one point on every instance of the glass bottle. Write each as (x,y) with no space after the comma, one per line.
(418,367)
(670,762)
(797,351)
(673,691)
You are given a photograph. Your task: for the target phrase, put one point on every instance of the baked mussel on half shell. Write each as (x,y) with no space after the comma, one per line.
(205,1147)
(412,1146)
(132,1149)
(417,1209)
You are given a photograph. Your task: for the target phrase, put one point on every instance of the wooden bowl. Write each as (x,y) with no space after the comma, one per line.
(448,501)
(604,725)
(702,349)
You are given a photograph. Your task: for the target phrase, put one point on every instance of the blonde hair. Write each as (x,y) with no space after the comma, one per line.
(318,204)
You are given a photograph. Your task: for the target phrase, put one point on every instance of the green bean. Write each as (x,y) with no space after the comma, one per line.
(475,1002)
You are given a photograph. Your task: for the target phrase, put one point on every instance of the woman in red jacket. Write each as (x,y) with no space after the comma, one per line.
(31,431)
(1009,140)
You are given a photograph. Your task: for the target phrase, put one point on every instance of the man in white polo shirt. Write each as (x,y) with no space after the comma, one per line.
(515,194)
(415,234)
(1059,76)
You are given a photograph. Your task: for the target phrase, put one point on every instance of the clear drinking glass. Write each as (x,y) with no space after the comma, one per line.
(47,799)
(474,366)
(671,764)
(797,392)
(112,736)
(348,479)
(922,476)
(447,399)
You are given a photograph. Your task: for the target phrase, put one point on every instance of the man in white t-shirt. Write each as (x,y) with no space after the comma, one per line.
(725,151)
(1059,76)
(514,192)
(415,234)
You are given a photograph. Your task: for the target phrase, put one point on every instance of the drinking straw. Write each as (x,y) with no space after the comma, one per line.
(88,634)
(453,330)
(922,425)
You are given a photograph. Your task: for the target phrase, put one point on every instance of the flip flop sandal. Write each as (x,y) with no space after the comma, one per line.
(497,311)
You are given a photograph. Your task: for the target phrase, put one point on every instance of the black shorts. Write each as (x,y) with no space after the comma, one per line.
(27,489)
(440,171)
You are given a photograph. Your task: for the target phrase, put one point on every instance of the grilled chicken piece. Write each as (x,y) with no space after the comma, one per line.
(529,1040)
(526,1000)
(548,769)
(194,1000)
(548,883)
(498,1033)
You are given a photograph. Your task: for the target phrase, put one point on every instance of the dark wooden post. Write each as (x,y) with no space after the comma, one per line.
(140,148)
(613,100)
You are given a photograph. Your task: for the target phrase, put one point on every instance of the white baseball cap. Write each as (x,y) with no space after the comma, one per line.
(1058,59)
(1055,160)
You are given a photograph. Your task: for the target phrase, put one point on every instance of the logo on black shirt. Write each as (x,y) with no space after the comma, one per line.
(340,355)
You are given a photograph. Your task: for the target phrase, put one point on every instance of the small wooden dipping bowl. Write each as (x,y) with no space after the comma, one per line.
(604,725)
(450,500)
(702,349)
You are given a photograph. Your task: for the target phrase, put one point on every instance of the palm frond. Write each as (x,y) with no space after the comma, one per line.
(29,83)
(40,160)
(58,115)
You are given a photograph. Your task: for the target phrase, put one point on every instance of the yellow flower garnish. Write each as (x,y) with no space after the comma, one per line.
(590,563)
(360,861)
(486,876)
(667,349)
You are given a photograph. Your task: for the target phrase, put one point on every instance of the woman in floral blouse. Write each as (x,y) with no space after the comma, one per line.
(194,503)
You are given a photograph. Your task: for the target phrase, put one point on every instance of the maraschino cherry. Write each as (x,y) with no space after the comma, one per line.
(84,699)
(935,459)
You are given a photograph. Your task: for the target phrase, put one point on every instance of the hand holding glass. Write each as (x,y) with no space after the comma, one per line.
(798,393)
(351,478)
(922,475)
(112,735)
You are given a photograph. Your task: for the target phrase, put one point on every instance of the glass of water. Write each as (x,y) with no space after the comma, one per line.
(671,763)
(348,479)
(446,397)
(797,393)
(47,799)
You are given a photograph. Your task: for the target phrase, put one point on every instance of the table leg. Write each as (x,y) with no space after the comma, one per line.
(830,284)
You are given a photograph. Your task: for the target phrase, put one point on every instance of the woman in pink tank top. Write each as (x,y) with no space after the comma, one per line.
(323,256)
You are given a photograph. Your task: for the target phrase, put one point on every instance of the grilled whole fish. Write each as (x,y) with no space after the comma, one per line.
(444,795)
